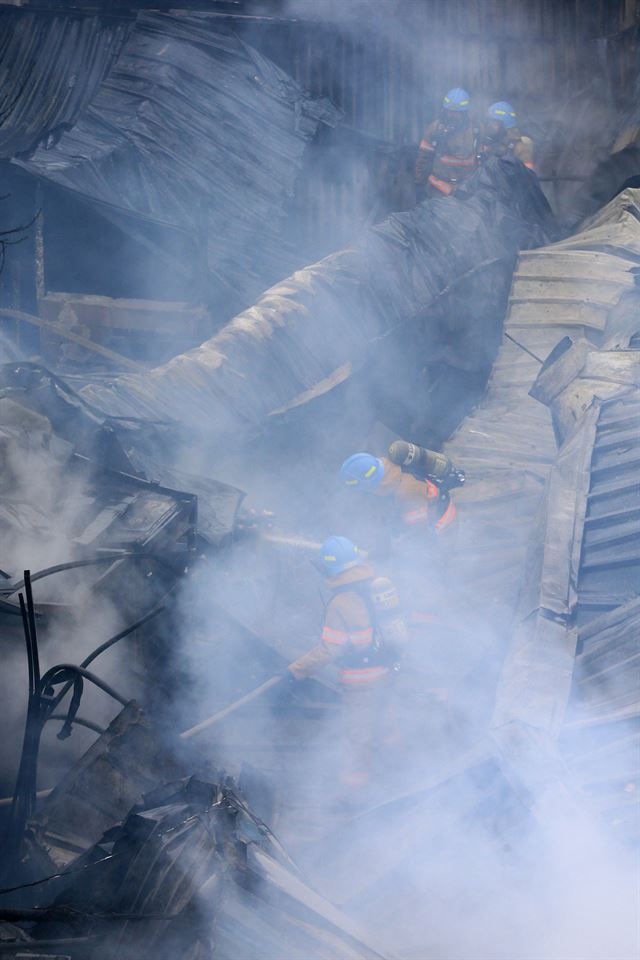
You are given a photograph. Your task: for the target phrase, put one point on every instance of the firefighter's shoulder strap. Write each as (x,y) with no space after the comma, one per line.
(363,589)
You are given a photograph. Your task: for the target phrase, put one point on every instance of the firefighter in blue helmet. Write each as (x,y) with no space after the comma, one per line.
(356,635)
(416,480)
(447,152)
(501,136)
(416,483)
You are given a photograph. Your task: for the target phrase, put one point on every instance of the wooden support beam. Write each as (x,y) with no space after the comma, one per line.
(60,331)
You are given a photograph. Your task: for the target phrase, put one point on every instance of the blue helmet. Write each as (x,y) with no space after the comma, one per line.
(504,113)
(362,470)
(457,100)
(338,554)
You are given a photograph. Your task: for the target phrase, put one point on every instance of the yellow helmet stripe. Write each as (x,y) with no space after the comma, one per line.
(370,471)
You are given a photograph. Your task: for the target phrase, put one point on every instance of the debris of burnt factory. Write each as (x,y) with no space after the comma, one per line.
(319,490)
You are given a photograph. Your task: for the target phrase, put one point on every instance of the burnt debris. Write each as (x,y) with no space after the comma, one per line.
(179,384)
(190,872)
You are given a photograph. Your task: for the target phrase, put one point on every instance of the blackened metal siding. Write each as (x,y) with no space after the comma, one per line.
(388,71)
(387,65)
(50,69)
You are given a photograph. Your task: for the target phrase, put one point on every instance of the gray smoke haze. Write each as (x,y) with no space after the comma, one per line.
(481,887)
(45,506)
(452,874)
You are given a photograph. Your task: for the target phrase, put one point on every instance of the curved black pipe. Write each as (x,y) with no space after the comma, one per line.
(123,633)
(89,724)
(109,643)
(49,679)
(90,561)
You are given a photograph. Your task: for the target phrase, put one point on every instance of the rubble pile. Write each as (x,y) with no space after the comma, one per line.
(396,299)
(135,580)
(189,873)
(143,121)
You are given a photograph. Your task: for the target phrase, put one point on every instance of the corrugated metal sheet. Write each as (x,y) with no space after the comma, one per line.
(200,874)
(601,738)
(610,564)
(386,66)
(572,663)
(191,128)
(523,509)
(50,69)
(388,71)
(353,310)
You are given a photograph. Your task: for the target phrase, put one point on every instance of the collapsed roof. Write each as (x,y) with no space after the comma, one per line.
(190,872)
(378,298)
(428,251)
(549,529)
(166,118)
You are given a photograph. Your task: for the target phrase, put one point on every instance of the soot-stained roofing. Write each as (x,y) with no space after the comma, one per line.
(548,527)
(166,118)
(50,69)
(571,669)
(338,312)
(174,870)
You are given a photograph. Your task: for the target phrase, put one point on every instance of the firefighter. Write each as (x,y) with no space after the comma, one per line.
(418,480)
(447,152)
(361,631)
(501,136)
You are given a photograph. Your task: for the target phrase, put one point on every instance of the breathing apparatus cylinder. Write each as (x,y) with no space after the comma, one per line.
(388,614)
(419,460)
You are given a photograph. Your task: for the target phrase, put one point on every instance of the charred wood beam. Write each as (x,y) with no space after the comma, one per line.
(60,331)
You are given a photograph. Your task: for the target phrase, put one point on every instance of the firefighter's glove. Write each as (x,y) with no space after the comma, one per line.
(289,678)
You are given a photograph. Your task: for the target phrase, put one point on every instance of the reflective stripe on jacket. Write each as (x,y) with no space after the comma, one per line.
(347,632)
(363,675)
(442,185)
(415,498)
(418,501)
(358,638)
(447,517)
